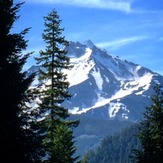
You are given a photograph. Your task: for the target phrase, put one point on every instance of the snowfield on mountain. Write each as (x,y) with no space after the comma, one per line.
(108,93)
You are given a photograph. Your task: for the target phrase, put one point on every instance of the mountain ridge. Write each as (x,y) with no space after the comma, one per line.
(108,94)
(102,83)
(106,80)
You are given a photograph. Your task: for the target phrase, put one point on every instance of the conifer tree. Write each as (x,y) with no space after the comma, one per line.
(19,141)
(58,128)
(151,131)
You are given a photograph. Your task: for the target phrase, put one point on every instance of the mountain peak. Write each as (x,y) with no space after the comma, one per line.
(108,86)
(89,44)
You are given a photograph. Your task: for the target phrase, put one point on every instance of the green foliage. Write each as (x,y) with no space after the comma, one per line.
(115,148)
(85,159)
(63,147)
(145,147)
(53,91)
(151,131)
(91,131)
(19,139)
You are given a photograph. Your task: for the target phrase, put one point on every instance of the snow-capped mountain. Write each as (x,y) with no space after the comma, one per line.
(107,87)
(108,93)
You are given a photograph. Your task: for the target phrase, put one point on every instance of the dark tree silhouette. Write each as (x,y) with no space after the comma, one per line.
(19,141)
(53,61)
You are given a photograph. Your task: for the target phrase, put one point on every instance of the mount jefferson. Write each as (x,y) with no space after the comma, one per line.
(106,87)
(108,94)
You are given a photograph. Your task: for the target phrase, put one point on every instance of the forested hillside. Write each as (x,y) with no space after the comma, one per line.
(116,148)
(140,143)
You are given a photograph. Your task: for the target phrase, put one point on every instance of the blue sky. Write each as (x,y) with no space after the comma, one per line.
(130,29)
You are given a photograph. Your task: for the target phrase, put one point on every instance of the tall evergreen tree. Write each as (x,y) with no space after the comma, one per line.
(58,128)
(19,141)
(151,131)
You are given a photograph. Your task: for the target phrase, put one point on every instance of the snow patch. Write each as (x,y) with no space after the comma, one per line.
(97,76)
(81,69)
(74,110)
(114,109)
(142,82)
